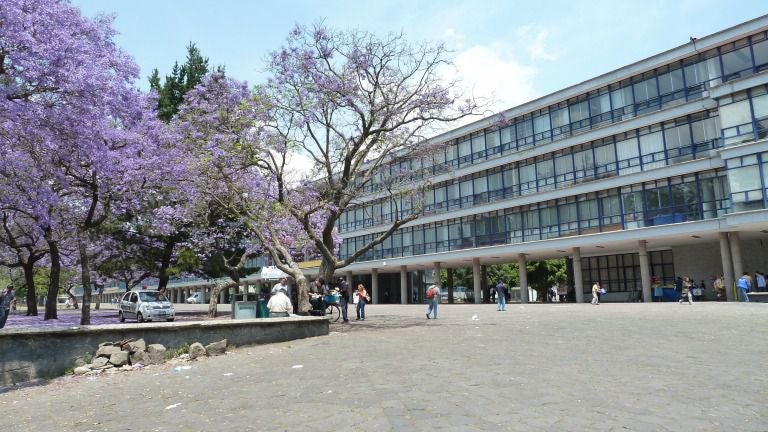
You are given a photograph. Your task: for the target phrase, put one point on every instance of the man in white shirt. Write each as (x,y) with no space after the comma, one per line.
(279,305)
(281,286)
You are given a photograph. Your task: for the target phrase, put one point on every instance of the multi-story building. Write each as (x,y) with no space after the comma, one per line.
(653,170)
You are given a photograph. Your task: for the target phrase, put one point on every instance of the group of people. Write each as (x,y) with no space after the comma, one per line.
(280,304)
(7,298)
(745,284)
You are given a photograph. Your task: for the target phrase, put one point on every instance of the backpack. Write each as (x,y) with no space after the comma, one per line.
(431,292)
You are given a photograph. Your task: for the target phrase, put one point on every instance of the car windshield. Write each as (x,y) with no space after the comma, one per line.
(151,296)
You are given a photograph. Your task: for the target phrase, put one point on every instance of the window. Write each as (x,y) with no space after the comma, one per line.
(652,149)
(541,123)
(560,117)
(493,142)
(600,104)
(678,141)
(628,154)
(622,97)
(737,63)
(671,81)
(645,90)
(760,50)
(527,177)
(478,146)
(605,156)
(584,163)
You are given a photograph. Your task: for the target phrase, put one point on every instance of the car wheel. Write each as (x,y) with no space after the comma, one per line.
(120,316)
(139,317)
(169,319)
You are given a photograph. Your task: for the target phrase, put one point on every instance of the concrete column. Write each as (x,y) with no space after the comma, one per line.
(523,278)
(245,291)
(436,275)
(725,259)
(578,276)
(350,287)
(403,285)
(484,283)
(450,285)
(476,279)
(645,270)
(738,263)
(374,285)
(221,296)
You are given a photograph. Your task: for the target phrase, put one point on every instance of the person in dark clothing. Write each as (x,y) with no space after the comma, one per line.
(344,299)
(679,285)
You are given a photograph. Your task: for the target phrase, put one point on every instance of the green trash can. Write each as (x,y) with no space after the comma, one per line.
(261,309)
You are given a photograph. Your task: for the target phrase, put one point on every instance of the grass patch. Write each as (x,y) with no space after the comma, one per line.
(175,352)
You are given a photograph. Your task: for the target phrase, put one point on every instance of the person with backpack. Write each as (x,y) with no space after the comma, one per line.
(743,285)
(433,297)
(501,295)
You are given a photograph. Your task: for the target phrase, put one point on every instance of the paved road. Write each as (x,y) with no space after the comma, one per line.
(638,367)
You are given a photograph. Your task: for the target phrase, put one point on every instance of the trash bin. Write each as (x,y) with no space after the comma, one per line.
(261,309)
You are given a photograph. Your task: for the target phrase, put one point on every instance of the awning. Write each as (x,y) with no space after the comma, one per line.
(270,273)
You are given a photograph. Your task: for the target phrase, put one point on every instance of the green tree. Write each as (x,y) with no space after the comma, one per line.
(182,79)
(170,96)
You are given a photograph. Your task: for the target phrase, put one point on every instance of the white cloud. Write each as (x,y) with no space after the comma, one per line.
(493,74)
(534,38)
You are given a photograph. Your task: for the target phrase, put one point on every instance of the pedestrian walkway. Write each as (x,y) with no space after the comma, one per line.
(640,367)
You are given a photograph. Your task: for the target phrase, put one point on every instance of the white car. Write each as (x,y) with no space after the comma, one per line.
(145,306)
(195,298)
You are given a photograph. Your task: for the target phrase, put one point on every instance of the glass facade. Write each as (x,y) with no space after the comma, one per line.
(621,273)
(663,87)
(741,185)
(698,196)
(674,141)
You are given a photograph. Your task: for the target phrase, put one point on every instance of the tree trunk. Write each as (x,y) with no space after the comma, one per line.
(72,297)
(214,302)
(29,278)
(302,296)
(98,297)
(85,277)
(326,271)
(53,287)
(165,263)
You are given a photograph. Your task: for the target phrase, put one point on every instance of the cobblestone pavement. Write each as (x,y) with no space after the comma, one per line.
(637,367)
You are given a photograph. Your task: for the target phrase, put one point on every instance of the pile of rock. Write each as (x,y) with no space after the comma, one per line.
(128,355)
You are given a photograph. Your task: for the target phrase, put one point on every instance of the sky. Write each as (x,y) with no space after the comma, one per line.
(510,51)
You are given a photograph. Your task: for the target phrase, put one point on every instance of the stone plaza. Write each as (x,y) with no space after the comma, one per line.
(535,367)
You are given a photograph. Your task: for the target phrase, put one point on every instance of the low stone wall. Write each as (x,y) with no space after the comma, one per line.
(28,354)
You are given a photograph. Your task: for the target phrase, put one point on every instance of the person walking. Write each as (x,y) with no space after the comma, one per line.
(760,281)
(596,293)
(687,293)
(433,297)
(343,299)
(501,296)
(362,299)
(6,298)
(743,285)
